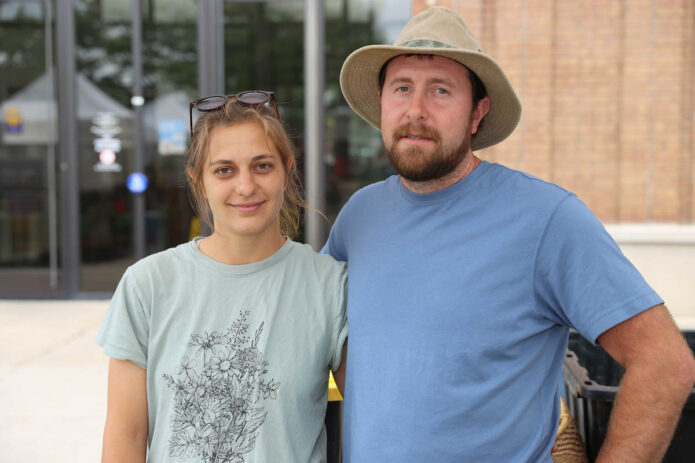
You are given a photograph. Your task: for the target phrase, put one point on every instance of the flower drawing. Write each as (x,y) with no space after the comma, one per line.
(219,392)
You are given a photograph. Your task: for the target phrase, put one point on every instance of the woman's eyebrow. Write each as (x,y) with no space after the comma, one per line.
(221,161)
(257,157)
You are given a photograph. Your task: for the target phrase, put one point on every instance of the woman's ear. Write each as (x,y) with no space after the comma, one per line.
(196,181)
(290,163)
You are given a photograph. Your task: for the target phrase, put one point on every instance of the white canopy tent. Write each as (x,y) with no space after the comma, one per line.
(33,110)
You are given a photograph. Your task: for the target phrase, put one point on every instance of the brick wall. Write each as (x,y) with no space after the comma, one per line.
(608,89)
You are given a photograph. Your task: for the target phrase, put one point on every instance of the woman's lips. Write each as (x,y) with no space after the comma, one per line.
(248,207)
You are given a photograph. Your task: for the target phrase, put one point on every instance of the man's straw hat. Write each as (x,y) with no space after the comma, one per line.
(435,31)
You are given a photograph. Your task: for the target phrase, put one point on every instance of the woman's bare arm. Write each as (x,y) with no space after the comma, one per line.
(125,434)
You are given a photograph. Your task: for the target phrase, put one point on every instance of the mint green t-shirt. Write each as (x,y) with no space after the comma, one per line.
(237,356)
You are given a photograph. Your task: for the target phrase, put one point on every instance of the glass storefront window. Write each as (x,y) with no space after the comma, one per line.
(263,44)
(105,138)
(354,154)
(170,82)
(106,130)
(264,49)
(28,191)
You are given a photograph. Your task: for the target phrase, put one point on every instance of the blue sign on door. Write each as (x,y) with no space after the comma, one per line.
(137,182)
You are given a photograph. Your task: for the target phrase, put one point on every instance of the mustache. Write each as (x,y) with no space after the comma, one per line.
(421,130)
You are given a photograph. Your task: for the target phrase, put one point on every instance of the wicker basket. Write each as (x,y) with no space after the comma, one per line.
(569,446)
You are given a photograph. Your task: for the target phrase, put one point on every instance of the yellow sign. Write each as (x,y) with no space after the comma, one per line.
(13,120)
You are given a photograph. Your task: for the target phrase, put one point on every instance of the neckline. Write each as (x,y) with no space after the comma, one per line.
(192,247)
(457,189)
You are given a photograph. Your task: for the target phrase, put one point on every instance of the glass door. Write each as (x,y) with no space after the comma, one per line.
(263,49)
(122,133)
(170,80)
(28,137)
(105,141)
(263,42)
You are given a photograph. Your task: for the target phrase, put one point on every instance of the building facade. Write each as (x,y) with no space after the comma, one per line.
(608,89)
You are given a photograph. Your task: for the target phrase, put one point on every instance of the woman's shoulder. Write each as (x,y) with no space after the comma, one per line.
(168,260)
(306,251)
(305,255)
(323,277)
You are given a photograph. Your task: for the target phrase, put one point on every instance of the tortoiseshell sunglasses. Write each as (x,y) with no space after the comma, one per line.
(217,102)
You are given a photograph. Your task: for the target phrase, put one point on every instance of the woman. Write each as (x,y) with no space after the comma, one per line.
(220,348)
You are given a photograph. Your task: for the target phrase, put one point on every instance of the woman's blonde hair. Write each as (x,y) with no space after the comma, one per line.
(234,113)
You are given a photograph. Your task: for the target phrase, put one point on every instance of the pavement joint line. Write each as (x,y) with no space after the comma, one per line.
(16,366)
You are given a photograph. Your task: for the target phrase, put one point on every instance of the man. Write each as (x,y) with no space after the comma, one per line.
(465,277)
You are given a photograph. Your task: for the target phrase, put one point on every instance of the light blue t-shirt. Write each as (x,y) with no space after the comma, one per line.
(459,306)
(237,356)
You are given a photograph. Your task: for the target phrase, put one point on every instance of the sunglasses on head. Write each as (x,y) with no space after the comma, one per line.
(247,97)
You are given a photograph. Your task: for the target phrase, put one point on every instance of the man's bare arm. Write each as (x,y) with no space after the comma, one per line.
(659,374)
(125,434)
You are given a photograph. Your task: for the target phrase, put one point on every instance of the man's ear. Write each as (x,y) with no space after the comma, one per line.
(481,109)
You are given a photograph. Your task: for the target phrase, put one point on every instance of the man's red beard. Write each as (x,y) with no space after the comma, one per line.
(418,164)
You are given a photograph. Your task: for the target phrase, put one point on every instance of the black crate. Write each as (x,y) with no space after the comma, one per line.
(591,378)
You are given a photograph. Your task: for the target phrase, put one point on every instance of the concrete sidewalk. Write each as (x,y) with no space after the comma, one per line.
(52,381)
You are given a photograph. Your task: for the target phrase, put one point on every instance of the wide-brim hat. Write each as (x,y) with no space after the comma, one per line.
(436,31)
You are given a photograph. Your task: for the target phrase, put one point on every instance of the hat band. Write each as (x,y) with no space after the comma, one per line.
(422,43)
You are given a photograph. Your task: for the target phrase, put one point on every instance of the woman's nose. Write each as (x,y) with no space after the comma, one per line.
(246,183)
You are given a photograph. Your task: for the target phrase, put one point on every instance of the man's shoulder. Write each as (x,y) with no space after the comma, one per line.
(380,188)
(523,184)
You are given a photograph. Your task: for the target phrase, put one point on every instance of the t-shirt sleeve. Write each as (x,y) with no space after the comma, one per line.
(335,245)
(125,331)
(582,277)
(340,329)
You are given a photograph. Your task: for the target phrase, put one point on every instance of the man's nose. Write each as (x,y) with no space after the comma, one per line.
(417,109)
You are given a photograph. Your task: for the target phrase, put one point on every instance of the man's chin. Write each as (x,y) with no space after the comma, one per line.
(421,173)
(420,167)
(408,169)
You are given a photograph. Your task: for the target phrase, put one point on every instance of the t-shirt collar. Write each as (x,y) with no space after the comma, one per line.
(456,190)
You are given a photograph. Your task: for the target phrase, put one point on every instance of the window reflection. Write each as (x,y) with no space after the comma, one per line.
(264,48)
(354,152)
(170,82)
(106,118)
(27,138)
